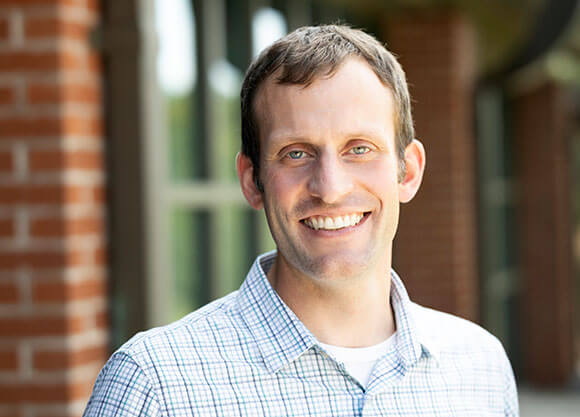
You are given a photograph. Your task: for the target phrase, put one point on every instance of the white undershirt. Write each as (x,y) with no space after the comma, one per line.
(359,362)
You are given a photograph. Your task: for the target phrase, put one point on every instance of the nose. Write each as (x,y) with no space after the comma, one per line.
(330,179)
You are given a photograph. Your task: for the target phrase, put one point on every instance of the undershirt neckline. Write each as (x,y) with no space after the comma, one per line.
(359,362)
(360,354)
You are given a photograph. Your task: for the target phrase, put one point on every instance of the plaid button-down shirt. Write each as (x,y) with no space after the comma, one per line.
(247,354)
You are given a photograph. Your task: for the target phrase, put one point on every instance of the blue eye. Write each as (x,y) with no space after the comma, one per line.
(296,154)
(360,150)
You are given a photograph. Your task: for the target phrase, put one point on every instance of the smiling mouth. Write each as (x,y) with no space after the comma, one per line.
(333,223)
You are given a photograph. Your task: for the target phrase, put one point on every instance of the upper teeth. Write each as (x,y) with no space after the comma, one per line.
(333,223)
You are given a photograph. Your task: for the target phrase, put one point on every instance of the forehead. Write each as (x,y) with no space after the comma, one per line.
(351,99)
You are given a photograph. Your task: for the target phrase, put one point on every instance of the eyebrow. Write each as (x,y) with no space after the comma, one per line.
(283,139)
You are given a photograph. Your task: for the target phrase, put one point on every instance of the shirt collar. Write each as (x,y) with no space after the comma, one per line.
(282,337)
(412,338)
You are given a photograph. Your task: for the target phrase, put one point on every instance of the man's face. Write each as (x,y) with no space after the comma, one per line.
(329,172)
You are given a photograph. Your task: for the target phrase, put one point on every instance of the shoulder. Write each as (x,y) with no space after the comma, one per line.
(454,335)
(193,335)
(153,365)
(468,355)
(464,348)
(122,388)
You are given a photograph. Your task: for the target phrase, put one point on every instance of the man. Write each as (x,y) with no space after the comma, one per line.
(322,326)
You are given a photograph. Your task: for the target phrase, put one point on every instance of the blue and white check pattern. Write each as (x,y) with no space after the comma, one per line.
(247,354)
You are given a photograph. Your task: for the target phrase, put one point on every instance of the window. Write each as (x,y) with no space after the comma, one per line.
(213,233)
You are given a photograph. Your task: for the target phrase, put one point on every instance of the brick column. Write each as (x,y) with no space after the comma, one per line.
(53,331)
(436,244)
(544,206)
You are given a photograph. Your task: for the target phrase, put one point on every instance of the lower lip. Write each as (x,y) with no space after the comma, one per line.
(337,232)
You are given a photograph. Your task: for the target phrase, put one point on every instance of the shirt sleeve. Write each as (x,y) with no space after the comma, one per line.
(122,389)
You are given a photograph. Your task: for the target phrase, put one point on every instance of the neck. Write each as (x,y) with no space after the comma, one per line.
(352,312)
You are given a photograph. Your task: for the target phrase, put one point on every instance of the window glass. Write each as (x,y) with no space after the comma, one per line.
(177,76)
(212,238)
(268,25)
(225,81)
(212,250)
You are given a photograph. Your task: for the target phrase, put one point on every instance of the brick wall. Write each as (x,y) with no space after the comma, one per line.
(435,249)
(542,150)
(53,322)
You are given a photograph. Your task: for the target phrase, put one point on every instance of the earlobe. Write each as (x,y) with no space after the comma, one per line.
(245,170)
(415,166)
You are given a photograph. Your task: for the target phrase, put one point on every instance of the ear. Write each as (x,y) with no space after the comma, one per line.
(415,165)
(245,170)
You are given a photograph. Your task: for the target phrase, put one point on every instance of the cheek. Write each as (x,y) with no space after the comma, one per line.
(378,177)
(283,182)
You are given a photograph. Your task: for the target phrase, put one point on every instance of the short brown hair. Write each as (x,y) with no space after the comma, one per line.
(312,51)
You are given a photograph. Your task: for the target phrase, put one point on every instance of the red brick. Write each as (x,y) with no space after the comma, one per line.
(56,94)
(39,326)
(98,194)
(62,291)
(33,393)
(9,128)
(46,160)
(94,5)
(52,227)
(70,61)
(42,194)
(100,256)
(102,320)
(8,360)
(72,125)
(83,93)
(8,293)
(44,94)
(48,227)
(23,61)
(94,63)
(53,360)
(39,259)
(6,162)
(6,228)
(6,95)
(91,126)
(39,126)
(60,160)
(54,27)
(85,160)
(28,61)
(4,28)
(25,3)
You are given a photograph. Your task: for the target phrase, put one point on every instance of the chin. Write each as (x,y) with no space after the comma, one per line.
(335,267)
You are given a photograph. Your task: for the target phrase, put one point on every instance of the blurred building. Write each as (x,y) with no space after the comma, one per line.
(120,209)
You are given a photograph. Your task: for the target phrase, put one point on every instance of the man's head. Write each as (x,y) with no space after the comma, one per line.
(316,51)
(334,159)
